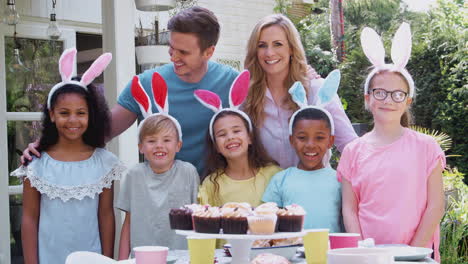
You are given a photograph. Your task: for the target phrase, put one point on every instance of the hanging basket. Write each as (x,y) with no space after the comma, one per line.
(155,5)
(154,54)
(299,9)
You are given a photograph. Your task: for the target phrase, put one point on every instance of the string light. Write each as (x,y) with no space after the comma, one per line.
(53,30)
(10,15)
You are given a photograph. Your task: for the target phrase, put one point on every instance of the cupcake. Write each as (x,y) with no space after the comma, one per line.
(181,218)
(263,220)
(207,220)
(291,218)
(234,219)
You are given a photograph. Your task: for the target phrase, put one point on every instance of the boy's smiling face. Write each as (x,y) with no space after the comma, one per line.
(160,149)
(311,139)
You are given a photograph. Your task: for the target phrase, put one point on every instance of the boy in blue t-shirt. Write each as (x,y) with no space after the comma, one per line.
(310,185)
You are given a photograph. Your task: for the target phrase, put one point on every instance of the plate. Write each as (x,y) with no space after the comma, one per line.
(286,251)
(404,252)
(170,260)
(301,251)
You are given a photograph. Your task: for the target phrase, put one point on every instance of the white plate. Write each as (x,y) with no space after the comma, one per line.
(170,260)
(406,252)
(286,251)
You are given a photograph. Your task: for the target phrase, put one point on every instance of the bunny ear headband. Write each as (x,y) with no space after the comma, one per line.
(325,95)
(159,89)
(237,94)
(401,50)
(67,62)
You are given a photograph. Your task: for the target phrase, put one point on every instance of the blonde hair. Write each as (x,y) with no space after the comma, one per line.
(254,104)
(156,124)
(407,118)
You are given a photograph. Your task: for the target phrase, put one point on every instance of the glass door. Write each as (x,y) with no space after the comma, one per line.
(29,69)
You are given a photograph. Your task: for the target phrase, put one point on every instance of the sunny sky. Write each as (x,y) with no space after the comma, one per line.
(419,5)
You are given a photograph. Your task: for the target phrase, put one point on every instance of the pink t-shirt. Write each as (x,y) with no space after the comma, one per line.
(390,184)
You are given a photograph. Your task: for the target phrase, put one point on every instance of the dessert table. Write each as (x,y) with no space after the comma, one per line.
(183,258)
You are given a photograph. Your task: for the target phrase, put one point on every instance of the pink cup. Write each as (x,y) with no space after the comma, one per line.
(150,255)
(344,240)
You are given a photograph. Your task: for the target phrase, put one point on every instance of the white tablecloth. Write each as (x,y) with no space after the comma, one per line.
(183,258)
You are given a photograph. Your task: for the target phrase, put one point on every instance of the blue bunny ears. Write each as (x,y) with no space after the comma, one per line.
(325,95)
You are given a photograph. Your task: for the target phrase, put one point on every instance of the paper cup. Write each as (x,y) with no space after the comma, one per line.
(150,255)
(344,240)
(360,255)
(316,246)
(201,250)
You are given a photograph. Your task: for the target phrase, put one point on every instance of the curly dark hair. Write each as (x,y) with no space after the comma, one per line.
(99,122)
(216,163)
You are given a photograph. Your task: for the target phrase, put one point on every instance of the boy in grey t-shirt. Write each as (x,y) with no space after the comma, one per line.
(151,189)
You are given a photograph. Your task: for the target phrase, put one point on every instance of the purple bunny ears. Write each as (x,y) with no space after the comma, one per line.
(67,63)
(401,50)
(237,94)
(159,89)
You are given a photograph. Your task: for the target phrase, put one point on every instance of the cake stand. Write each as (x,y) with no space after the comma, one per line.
(241,244)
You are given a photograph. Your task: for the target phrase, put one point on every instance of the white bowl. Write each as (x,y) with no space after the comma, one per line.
(360,256)
(286,251)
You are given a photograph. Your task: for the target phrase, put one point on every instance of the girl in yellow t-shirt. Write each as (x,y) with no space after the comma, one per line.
(238,169)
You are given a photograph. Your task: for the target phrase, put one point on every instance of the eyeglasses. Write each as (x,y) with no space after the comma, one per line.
(380,94)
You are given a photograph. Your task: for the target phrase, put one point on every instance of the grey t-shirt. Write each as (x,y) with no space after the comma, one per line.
(149,196)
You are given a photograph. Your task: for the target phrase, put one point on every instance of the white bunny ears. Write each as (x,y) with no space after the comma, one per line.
(401,50)
(159,88)
(325,95)
(67,62)
(237,94)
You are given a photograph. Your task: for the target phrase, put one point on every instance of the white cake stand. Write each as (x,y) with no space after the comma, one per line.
(241,244)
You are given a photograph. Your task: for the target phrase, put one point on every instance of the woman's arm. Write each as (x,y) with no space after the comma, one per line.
(344,131)
(30,222)
(350,208)
(107,221)
(434,209)
(124,245)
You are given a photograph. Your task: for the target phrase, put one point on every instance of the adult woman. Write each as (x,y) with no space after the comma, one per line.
(276,59)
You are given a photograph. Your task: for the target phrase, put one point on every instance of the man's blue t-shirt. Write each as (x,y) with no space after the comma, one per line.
(193,117)
(318,192)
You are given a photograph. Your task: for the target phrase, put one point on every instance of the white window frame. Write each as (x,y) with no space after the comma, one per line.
(26,29)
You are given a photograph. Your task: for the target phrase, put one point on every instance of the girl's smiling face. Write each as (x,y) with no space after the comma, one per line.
(311,139)
(387,110)
(70,115)
(231,137)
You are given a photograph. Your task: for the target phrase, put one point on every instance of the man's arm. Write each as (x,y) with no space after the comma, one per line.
(122,119)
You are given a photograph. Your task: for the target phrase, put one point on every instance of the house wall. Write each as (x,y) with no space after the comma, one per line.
(237,19)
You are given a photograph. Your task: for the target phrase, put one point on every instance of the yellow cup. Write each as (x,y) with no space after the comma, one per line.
(316,246)
(202,250)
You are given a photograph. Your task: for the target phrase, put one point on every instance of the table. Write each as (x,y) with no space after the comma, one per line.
(183,258)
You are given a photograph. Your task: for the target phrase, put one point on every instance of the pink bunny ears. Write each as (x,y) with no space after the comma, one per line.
(401,50)
(159,89)
(237,94)
(67,63)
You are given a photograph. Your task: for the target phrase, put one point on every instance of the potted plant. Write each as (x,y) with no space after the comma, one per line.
(148,48)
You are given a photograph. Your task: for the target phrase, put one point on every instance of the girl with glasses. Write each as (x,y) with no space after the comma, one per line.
(392,176)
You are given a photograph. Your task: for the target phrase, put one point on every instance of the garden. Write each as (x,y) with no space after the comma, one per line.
(438,65)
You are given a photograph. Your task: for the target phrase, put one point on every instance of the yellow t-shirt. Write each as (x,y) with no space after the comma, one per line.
(250,190)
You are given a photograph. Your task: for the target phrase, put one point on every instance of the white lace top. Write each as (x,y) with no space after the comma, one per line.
(70,191)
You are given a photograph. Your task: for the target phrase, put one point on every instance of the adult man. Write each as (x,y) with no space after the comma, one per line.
(194,34)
